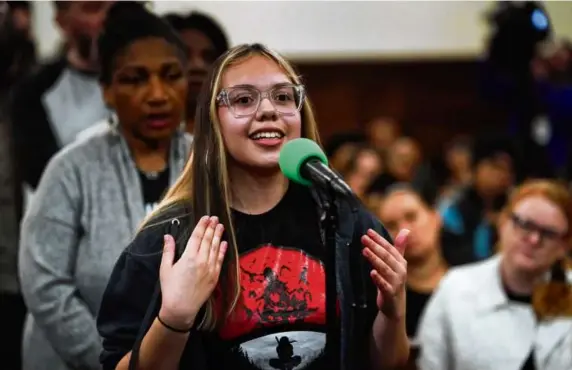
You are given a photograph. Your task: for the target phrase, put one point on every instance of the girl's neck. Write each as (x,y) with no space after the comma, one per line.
(256,193)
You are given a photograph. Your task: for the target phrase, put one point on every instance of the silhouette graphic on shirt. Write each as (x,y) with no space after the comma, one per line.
(286,359)
(278,322)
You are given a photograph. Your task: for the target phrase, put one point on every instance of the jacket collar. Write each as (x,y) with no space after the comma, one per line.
(491,283)
(346,217)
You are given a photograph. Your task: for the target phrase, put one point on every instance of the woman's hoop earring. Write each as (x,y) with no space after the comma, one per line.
(113,120)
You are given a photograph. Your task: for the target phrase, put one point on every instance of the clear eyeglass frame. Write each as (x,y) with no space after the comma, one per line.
(222,98)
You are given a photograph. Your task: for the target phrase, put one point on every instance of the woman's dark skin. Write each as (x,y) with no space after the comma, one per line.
(148,91)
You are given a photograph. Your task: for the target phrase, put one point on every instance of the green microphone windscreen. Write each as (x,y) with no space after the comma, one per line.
(293,156)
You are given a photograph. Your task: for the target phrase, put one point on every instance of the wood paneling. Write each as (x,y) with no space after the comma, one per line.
(434,100)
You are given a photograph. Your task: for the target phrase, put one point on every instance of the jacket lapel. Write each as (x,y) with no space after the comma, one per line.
(344,232)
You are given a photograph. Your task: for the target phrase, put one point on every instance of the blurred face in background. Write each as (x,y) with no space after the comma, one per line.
(342,156)
(406,210)
(533,235)
(81,22)
(202,54)
(382,132)
(494,175)
(366,167)
(21,20)
(403,159)
(458,160)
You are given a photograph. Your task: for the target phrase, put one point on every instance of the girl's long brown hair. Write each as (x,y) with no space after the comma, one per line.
(204,184)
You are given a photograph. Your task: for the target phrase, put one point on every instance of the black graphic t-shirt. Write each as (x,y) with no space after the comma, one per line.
(280,320)
(153,186)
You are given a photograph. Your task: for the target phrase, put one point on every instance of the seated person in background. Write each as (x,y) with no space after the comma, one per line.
(481,316)
(405,163)
(473,212)
(382,132)
(340,147)
(403,159)
(458,170)
(205,41)
(364,165)
(94,194)
(404,208)
(342,156)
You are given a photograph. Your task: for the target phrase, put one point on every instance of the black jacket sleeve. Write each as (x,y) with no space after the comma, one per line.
(132,298)
(129,295)
(364,290)
(368,221)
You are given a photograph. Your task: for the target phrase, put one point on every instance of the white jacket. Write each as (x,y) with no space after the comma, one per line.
(469,324)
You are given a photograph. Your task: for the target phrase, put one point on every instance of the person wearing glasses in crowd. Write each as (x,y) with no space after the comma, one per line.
(228,273)
(95,192)
(486,315)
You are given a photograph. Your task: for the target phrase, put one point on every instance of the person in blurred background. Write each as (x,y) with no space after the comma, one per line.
(95,192)
(340,147)
(403,207)
(341,156)
(364,165)
(17,49)
(402,159)
(17,59)
(481,316)
(62,98)
(527,74)
(382,132)
(458,159)
(473,213)
(553,74)
(206,41)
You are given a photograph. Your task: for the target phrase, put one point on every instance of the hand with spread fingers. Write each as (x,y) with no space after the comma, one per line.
(389,271)
(187,284)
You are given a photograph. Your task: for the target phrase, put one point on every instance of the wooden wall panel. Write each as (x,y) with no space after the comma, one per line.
(434,100)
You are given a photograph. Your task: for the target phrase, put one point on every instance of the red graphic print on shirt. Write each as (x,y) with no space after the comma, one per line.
(278,286)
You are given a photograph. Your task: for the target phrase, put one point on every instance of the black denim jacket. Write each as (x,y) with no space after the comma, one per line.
(132,298)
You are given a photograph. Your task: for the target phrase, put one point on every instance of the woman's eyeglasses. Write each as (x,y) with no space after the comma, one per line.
(529,227)
(244,101)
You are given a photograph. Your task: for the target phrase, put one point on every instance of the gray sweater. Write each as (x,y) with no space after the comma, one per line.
(85,211)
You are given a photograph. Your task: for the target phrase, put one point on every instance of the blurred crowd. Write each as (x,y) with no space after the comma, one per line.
(490,217)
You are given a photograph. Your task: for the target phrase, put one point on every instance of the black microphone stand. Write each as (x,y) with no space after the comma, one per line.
(333,329)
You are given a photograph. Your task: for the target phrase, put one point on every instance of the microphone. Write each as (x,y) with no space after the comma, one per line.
(303,161)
